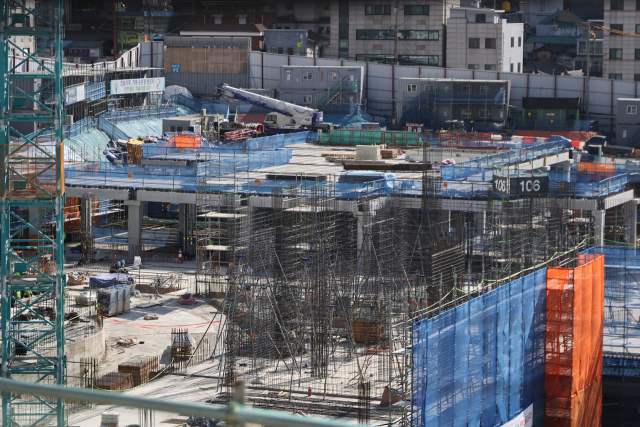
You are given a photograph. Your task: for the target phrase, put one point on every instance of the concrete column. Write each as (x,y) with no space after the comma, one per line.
(186,223)
(481,222)
(134,216)
(631,221)
(598,228)
(364,228)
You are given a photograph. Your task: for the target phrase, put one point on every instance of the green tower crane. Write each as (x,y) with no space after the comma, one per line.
(32,180)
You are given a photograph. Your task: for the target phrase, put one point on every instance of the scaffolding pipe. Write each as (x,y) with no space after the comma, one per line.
(235,414)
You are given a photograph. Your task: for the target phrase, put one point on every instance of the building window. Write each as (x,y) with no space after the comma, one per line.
(615,53)
(307,99)
(636,77)
(484,89)
(490,43)
(518,67)
(390,35)
(519,41)
(327,6)
(416,10)
(242,20)
(320,30)
(481,18)
(490,67)
(615,76)
(279,50)
(428,87)
(474,66)
(637,28)
(307,75)
(632,109)
(637,4)
(412,88)
(466,113)
(617,4)
(289,51)
(466,88)
(378,10)
(343,29)
(596,47)
(333,76)
(512,42)
(172,128)
(484,114)
(328,30)
(637,54)
(474,43)
(511,68)
(431,60)
(615,27)
(217,20)
(543,5)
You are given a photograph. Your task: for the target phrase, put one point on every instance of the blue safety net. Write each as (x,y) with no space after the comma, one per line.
(621,299)
(462,171)
(481,363)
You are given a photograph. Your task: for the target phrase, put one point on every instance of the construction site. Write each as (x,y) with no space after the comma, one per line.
(166,246)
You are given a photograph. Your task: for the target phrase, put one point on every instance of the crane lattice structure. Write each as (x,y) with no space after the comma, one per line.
(32,180)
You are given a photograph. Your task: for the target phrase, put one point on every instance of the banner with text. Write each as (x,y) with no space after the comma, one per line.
(524,419)
(123,87)
(74,94)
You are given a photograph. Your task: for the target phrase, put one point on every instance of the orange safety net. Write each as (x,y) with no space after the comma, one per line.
(187,141)
(575,320)
(583,409)
(597,167)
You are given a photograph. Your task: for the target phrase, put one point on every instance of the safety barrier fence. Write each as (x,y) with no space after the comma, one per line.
(169,150)
(175,178)
(483,361)
(481,165)
(370,137)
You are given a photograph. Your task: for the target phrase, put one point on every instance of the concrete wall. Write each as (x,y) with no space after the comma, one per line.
(381,81)
(93,346)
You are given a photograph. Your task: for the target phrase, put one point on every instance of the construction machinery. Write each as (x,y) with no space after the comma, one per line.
(284,116)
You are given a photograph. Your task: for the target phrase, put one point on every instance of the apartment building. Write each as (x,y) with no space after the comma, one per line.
(479,39)
(364,30)
(622,52)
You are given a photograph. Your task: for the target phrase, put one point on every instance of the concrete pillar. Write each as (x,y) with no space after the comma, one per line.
(134,216)
(186,224)
(631,221)
(598,229)
(481,223)
(364,228)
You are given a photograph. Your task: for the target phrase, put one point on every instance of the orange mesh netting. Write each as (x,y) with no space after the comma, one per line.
(583,409)
(573,343)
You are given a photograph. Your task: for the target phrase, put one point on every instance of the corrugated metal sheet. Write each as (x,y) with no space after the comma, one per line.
(205,84)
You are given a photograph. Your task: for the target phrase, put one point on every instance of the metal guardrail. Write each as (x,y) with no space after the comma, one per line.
(235,414)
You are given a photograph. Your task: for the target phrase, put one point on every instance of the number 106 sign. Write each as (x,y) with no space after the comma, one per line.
(532,184)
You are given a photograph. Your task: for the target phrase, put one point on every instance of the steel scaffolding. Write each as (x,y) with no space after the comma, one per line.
(31,176)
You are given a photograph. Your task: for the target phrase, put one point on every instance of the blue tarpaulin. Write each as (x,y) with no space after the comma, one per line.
(107,280)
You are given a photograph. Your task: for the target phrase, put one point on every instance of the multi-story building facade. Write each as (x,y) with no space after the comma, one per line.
(480,39)
(622,52)
(364,30)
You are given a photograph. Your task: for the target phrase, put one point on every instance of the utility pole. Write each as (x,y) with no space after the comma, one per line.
(586,94)
(395,39)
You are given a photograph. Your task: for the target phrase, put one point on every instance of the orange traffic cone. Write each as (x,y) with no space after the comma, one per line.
(180,259)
